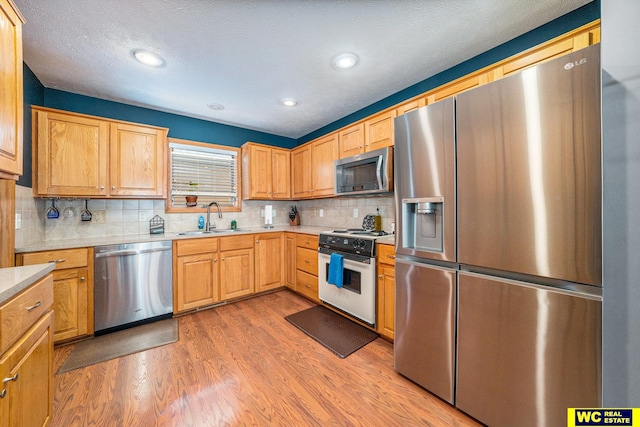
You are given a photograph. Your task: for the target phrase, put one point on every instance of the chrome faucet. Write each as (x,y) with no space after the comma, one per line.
(208,226)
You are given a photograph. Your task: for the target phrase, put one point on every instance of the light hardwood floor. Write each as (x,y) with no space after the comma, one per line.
(244,364)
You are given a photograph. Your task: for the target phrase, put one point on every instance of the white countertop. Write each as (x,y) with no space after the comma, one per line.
(15,279)
(136,238)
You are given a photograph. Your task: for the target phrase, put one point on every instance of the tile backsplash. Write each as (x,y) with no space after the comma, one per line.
(127,217)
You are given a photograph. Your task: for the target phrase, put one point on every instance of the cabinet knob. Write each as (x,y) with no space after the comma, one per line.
(223,259)
(257,241)
(113,187)
(102,187)
(380,276)
(215,260)
(82,279)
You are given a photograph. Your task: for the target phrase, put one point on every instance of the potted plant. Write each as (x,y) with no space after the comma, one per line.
(192,199)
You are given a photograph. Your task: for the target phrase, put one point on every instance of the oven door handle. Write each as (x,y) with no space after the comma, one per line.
(362,259)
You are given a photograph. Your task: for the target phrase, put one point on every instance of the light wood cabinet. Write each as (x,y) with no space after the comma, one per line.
(237,276)
(11,102)
(137,161)
(196,272)
(351,140)
(267,172)
(312,172)
(306,261)
(290,263)
(26,357)
(85,156)
(410,106)
(301,172)
(386,286)
(269,261)
(379,131)
(72,289)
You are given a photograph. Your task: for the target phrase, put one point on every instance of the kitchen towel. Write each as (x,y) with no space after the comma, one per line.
(336,270)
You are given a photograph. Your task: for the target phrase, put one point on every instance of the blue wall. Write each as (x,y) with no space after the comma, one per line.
(582,16)
(33,95)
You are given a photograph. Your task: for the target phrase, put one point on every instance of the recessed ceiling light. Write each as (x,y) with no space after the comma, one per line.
(289,102)
(345,61)
(216,106)
(147,58)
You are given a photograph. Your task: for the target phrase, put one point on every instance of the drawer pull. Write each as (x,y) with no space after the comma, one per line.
(58,261)
(3,393)
(306,242)
(391,256)
(36,305)
(307,261)
(307,286)
(13,378)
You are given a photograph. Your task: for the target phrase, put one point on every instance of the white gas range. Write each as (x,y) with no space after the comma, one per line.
(357,295)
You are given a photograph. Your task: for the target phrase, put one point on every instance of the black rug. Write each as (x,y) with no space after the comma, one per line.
(121,343)
(337,333)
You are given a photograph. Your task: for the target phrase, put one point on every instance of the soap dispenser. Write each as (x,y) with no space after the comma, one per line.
(200,222)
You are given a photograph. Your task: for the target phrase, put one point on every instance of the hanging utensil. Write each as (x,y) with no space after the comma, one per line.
(86,215)
(53,212)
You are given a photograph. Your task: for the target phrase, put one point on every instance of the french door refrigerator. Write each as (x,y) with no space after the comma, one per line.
(527,207)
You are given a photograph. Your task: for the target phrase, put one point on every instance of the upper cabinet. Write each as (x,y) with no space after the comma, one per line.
(267,172)
(76,155)
(11,103)
(312,172)
(379,131)
(351,140)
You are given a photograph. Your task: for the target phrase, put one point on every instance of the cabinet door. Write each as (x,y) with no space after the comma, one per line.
(290,257)
(236,273)
(379,131)
(71,154)
(137,161)
(410,106)
(11,110)
(27,391)
(351,140)
(323,153)
(301,172)
(72,298)
(269,252)
(260,174)
(281,174)
(386,300)
(196,281)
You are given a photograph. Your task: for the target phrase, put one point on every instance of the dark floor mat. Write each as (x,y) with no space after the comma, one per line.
(337,333)
(121,343)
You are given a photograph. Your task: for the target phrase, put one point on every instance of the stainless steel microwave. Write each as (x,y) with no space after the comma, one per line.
(364,174)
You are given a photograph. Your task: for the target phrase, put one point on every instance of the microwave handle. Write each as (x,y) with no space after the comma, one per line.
(379,171)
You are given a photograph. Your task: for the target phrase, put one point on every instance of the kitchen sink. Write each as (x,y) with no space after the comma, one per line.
(204,233)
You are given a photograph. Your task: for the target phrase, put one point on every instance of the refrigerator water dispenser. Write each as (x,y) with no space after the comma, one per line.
(423,228)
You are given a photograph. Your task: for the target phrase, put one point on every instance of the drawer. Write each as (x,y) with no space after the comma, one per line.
(307,241)
(387,254)
(232,243)
(66,258)
(307,284)
(23,311)
(307,260)
(196,246)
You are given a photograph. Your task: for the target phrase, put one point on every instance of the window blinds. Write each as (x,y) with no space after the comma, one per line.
(209,173)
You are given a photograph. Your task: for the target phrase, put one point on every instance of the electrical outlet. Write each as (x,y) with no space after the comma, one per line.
(321,212)
(143,216)
(18,221)
(355,212)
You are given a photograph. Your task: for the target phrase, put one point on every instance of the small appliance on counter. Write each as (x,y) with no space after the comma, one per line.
(294,216)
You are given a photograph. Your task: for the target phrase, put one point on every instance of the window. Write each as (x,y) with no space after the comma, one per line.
(208,171)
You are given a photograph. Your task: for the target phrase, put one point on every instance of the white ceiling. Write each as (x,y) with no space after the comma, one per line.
(249,54)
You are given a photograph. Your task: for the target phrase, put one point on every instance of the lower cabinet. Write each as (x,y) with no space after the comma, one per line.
(237,276)
(269,261)
(290,260)
(26,393)
(386,290)
(195,276)
(72,289)
(306,262)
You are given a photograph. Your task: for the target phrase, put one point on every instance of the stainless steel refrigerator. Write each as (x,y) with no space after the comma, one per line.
(515,231)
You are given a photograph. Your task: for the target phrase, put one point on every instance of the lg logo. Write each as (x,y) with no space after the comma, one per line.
(570,65)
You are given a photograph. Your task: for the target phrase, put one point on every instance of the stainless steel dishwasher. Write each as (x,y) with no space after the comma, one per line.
(132,284)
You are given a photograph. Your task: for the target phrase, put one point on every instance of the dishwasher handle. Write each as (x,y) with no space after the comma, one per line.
(125,252)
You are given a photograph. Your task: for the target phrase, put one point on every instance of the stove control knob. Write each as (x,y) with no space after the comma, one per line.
(358,244)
